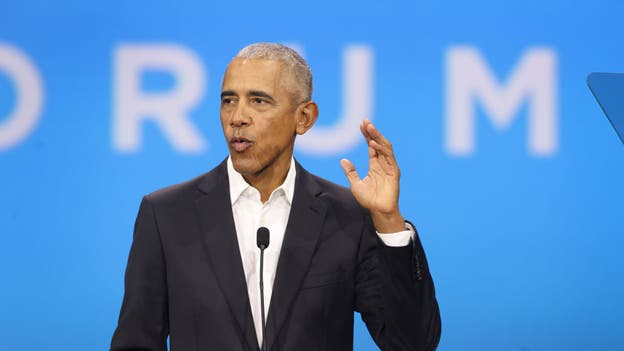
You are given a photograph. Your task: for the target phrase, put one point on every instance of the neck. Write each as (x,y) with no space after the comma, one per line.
(269,178)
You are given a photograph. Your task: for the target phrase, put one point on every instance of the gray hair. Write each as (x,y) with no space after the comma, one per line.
(290,58)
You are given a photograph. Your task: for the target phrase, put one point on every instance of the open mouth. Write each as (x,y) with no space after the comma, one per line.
(240,144)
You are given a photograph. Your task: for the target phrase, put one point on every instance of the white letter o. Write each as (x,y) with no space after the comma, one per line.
(29,96)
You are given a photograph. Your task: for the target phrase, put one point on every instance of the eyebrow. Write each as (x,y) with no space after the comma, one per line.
(258,93)
(254,93)
(227,93)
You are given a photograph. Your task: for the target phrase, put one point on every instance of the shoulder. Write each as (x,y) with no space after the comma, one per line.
(338,197)
(176,191)
(334,191)
(187,190)
(343,213)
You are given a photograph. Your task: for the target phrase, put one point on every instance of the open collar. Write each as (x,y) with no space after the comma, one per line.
(238,185)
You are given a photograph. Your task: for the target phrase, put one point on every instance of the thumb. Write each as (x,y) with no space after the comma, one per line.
(349,171)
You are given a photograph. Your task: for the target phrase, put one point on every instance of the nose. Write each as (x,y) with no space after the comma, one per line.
(240,116)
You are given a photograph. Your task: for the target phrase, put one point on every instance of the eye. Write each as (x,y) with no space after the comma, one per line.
(258,100)
(227,101)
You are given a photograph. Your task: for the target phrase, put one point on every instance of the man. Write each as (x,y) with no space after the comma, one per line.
(193,269)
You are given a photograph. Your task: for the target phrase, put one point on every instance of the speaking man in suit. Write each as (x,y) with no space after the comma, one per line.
(193,272)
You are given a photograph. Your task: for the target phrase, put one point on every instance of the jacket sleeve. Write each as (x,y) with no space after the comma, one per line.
(143,321)
(395,294)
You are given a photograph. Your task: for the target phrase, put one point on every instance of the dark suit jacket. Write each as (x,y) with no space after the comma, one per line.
(185,277)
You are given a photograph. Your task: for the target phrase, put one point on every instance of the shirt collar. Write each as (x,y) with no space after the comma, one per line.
(238,185)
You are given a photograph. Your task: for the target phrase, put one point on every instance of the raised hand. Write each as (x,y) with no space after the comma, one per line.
(378,191)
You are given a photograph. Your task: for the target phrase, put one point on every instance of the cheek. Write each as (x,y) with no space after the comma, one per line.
(275,129)
(285,128)
(223,119)
(281,135)
(225,125)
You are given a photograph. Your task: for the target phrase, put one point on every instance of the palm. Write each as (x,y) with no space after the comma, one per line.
(378,191)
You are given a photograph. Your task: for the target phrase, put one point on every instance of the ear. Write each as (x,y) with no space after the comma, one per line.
(306,115)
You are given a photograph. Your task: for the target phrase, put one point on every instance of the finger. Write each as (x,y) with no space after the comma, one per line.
(386,162)
(363,129)
(349,171)
(377,163)
(386,145)
(372,153)
(372,158)
(376,135)
(385,152)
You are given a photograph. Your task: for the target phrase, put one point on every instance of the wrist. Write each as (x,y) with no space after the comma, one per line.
(388,222)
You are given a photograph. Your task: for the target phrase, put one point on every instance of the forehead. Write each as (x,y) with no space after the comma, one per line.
(255,74)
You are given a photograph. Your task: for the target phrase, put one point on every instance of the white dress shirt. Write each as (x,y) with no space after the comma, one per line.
(250,214)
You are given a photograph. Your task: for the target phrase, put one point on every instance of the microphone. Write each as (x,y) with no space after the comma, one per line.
(262,240)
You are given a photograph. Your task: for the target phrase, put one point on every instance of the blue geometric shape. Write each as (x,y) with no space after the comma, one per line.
(608,89)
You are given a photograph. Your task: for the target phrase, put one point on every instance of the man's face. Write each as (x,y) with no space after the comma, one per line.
(258,116)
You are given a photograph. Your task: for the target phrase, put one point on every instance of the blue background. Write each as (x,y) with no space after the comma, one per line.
(525,251)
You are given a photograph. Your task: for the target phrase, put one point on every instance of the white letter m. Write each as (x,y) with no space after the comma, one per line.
(469,79)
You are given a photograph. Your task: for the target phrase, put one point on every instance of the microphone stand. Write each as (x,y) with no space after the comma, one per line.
(263,242)
(264,347)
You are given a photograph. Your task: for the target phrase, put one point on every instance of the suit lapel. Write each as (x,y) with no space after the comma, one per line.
(217,222)
(307,214)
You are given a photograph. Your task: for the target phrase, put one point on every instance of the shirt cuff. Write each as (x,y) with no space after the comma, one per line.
(398,239)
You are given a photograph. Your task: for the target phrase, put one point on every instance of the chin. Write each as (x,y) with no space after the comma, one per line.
(244,166)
